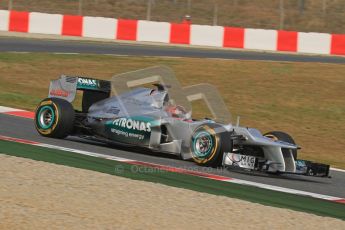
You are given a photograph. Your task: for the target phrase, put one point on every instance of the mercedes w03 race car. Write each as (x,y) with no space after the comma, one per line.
(148,118)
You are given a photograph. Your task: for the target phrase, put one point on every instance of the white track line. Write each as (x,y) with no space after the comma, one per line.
(61,53)
(4,109)
(285,190)
(87,153)
(338,170)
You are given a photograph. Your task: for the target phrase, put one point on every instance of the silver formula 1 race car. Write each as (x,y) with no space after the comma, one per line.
(146,117)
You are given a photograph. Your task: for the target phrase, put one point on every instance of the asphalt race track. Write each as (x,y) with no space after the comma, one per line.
(24,128)
(65,46)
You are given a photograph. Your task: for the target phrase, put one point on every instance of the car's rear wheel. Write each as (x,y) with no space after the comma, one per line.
(281,136)
(54,118)
(208,144)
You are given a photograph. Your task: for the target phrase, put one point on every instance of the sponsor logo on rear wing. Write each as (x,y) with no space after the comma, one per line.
(87,83)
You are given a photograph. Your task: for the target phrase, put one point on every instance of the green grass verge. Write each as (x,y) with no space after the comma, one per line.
(257,195)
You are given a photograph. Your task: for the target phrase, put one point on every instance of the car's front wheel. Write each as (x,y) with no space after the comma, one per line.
(54,117)
(208,144)
(281,136)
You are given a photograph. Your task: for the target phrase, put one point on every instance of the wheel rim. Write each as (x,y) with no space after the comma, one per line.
(46,117)
(202,144)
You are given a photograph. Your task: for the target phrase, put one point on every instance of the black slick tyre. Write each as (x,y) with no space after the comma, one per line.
(281,136)
(54,117)
(208,144)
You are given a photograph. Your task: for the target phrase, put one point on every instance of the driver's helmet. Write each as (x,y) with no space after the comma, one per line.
(176,111)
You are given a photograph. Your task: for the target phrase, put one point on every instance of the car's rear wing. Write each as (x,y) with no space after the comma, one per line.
(93,89)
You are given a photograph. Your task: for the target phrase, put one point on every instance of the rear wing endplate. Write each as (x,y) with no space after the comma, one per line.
(66,86)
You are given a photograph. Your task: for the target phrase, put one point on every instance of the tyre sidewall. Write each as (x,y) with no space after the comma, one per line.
(213,150)
(63,122)
(47,131)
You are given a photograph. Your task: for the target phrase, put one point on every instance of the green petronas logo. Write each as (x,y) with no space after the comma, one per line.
(90,83)
(131,124)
